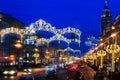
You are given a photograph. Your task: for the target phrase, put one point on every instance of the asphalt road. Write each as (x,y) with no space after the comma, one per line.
(39,74)
(35,70)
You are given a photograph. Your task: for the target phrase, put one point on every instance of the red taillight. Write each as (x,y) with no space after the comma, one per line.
(11,58)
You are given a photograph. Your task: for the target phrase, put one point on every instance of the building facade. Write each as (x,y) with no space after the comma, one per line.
(110,34)
(9,23)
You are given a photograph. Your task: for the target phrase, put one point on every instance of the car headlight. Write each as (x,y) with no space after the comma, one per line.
(5,72)
(12,72)
(30,70)
(25,69)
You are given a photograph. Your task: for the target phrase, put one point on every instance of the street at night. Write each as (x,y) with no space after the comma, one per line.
(60,40)
(39,73)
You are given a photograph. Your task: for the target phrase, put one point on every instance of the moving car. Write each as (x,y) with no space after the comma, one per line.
(51,72)
(12,71)
(27,70)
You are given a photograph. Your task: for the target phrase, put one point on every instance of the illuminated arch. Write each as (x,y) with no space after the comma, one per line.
(40,25)
(68,49)
(11,30)
(60,50)
(78,51)
(41,41)
(44,26)
(59,38)
(71,30)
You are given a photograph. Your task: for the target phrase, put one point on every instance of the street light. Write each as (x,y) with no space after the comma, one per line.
(18,45)
(101,53)
(36,55)
(47,56)
(112,49)
(113,35)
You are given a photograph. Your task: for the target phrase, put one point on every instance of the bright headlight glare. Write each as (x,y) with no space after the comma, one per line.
(25,69)
(30,70)
(5,72)
(12,72)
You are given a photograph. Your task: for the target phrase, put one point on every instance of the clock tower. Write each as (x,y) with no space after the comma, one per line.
(106,21)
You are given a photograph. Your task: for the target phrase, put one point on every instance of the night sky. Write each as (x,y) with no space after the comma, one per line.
(82,14)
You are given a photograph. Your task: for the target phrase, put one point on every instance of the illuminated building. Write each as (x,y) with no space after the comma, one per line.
(10,30)
(106,21)
(110,36)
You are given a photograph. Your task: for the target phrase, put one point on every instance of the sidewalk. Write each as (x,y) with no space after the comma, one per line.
(105,78)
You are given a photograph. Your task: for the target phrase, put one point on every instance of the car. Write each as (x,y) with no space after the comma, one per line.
(26,77)
(12,71)
(51,72)
(27,70)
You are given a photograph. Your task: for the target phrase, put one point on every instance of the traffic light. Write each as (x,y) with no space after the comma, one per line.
(72,37)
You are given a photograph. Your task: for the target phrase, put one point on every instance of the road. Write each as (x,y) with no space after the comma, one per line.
(87,72)
(39,74)
(35,70)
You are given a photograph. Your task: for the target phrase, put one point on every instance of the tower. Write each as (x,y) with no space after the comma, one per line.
(106,21)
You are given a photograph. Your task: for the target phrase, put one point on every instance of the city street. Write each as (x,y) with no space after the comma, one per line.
(59,40)
(35,71)
(39,73)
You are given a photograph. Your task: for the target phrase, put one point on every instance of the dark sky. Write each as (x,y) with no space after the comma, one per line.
(82,14)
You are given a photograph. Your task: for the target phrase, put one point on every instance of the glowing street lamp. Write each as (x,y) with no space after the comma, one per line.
(36,55)
(101,53)
(113,35)
(47,56)
(112,49)
(18,45)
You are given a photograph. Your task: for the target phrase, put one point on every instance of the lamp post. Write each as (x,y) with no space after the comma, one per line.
(47,56)
(101,53)
(112,49)
(95,58)
(18,45)
(36,55)
(91,57)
